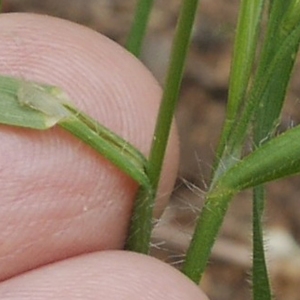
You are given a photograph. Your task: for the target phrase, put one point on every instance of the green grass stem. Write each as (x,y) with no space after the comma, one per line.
(138,29)
(171,89)
(245,46)
(260,279)
(281,24)
(263,82)
(138,240)
(208,225)
(261,166)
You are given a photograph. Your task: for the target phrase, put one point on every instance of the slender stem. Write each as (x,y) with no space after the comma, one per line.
(261,166)
(245,46)
(141,223)
(139,240)
(171,90)
(139,26)
(207,228)
(260,281)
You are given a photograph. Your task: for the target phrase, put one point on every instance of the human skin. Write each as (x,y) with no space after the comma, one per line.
(64,210)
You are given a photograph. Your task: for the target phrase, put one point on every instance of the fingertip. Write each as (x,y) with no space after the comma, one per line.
(103,275)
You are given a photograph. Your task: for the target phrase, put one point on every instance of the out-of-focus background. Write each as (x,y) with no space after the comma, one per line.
(199,116)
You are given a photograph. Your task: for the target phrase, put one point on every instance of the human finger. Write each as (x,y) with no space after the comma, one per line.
(110,275)
(58,197)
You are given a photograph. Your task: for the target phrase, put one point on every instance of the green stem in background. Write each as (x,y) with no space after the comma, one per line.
(139,26)
(171,89)
(271,97)
(260,279)
(266,120)
(245,45)
(139,240)
(244,54)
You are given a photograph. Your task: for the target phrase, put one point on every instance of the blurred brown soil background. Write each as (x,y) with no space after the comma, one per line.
(200,116)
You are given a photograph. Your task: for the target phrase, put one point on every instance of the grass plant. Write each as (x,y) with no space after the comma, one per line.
(259,80)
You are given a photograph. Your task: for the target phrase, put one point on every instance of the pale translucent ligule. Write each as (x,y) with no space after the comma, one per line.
(41,99)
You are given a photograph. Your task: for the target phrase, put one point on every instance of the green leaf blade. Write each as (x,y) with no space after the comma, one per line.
(278,158)
(134,168)
(15,113)
(37,106)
